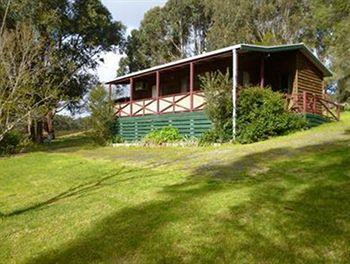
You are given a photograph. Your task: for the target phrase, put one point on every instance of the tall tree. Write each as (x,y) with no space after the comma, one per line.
(332,19)
(261,22)
(177,30)
(77,32)
(20,71)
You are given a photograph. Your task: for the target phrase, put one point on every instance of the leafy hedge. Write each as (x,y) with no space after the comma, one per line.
(261,114)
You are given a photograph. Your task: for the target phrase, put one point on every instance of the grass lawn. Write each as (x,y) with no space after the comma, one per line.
(285,200)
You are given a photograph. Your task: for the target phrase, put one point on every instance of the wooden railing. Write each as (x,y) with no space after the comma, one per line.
(186,102)
(311,103)
(183,102)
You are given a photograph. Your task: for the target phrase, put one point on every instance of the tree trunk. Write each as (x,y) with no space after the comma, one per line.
(36,131)
(48,126)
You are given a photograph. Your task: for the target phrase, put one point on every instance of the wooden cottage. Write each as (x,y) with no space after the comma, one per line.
(170,94)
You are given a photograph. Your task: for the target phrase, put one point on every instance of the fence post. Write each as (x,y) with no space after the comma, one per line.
(131,95)
(338,112)
(304,102)
(158,90)
(191,85)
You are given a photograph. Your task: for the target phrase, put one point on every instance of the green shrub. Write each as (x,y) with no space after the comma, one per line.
(215,136)
(346,106)
(261,114)
(165,135)
(11,142)
(117,139)
(218,108)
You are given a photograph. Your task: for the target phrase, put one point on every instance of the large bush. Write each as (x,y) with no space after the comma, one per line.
(217,89)
(102,116)
(165,135)
(11,143)
(261,114)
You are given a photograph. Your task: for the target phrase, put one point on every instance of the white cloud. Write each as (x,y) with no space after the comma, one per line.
(107,70)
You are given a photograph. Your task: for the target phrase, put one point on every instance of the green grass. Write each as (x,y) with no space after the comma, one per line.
(285,200)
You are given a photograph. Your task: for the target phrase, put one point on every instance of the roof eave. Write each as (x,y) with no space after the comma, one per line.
(175,63)
(249,47)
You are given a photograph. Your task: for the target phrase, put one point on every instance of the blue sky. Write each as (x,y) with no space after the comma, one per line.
(130,13)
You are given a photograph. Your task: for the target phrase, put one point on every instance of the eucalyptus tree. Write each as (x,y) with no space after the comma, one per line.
(21,69)
(332,20)
(175,31)
(261,22)
(77,32)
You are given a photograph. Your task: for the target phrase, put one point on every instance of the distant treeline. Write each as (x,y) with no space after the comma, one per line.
(67,123)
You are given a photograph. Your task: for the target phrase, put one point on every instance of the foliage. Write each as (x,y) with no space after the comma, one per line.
(21,69)
(77,32)
(11,143)
(117,139)
(102,115)
(68,123)
(217,89)
(174,31)
(333,19)
(213,136)
(165,135)
(259,22)
(261,114)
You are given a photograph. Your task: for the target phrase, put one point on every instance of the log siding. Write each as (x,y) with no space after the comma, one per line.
(309,79)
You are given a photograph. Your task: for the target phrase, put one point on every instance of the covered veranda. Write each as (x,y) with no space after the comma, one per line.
(175,87)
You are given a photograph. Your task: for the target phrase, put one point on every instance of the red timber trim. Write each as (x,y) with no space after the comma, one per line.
(143,106)
(304,102)
(191,84)
(158,89)
(199,107)
(110,91)
(307,102)
(175,102)
(131,93)
(120,109)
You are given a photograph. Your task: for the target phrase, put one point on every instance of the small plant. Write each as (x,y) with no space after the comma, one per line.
(165,135)
(117,139)
(261,114)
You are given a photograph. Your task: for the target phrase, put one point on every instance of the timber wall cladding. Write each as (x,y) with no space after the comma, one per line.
(309,79)
(188,123)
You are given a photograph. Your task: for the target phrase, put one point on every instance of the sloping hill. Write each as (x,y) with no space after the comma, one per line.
(279,201)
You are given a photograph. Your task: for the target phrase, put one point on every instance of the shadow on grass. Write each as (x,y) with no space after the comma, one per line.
(74,191)
(298,211)
(79,190)
(66,144)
